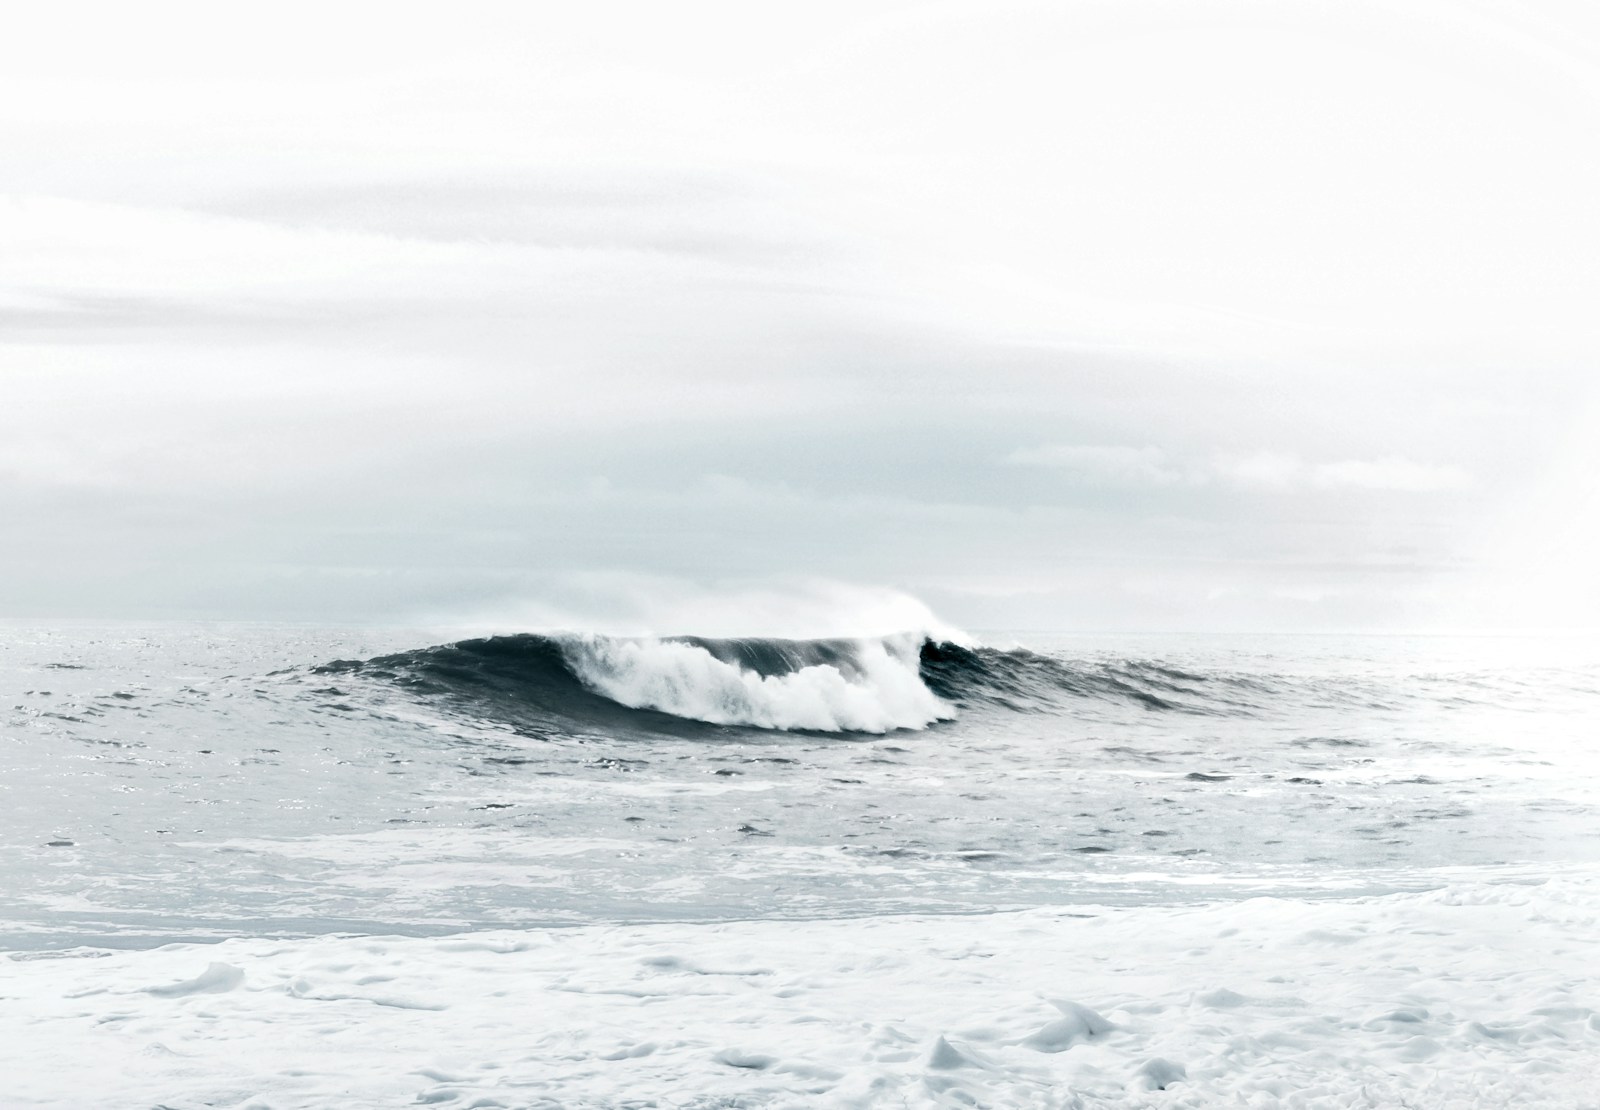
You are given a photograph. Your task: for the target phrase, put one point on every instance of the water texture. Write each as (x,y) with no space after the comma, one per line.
(188,781)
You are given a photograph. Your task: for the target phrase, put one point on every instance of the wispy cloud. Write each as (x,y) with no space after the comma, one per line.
(1259,470)
(1399,474)
(1105,465)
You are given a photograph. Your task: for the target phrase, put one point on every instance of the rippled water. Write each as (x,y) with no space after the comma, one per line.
(199,781)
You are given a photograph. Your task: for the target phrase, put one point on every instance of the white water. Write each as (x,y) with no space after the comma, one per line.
(882,691)
(1472,996)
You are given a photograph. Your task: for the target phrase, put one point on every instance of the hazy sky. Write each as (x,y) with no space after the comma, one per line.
(1125,314)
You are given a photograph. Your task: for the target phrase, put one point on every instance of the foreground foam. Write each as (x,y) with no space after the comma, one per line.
(1408,1000)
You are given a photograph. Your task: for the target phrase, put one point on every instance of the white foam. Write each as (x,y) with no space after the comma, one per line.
(215,979)
(1478,995)
(882,690)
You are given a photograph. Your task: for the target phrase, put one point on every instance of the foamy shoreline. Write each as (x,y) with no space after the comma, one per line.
(1475,994)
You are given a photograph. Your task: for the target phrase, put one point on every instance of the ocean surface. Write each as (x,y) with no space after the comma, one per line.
(198,782)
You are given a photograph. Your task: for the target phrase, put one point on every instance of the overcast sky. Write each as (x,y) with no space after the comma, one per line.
(1123,314)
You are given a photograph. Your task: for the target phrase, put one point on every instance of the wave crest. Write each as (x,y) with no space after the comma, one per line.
(820,685)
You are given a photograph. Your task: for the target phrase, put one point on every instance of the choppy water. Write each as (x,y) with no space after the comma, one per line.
(200,781)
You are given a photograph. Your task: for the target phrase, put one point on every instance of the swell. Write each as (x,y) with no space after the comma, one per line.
(576,684)
(1023,681)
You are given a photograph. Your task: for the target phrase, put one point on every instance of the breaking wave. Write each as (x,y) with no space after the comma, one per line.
(578,683)
(821,685)
(583,682)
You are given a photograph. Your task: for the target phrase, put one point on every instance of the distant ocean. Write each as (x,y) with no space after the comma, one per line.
(213,785)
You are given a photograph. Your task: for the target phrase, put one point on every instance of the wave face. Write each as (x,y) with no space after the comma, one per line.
(1025,681)
(537,682)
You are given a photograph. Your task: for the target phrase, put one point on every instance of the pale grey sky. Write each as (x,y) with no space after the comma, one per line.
(1054,315)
